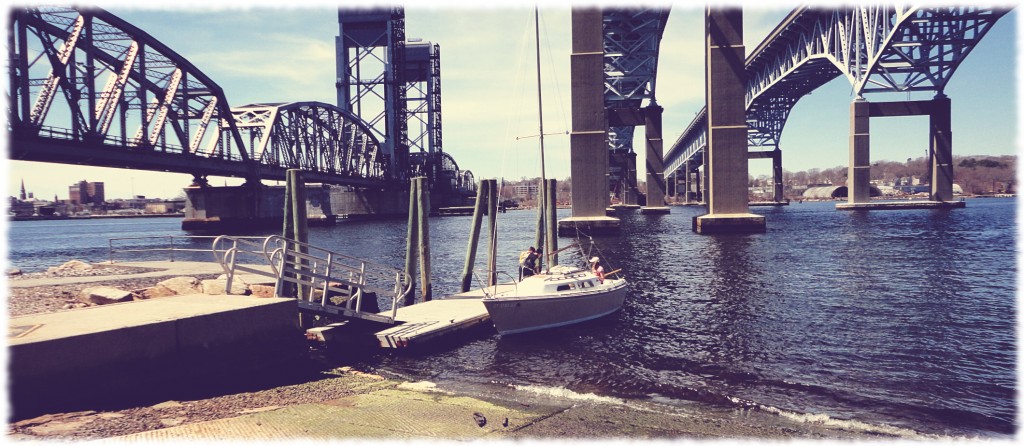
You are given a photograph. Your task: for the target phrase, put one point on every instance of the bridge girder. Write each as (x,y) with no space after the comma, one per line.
(877,48)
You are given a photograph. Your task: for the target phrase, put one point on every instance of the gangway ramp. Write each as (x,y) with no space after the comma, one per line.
(337,286)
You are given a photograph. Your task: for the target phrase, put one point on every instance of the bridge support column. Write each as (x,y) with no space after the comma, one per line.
(940,124)
(777,174)
(687,175)
(655,164)
(940,151)
(588,148)
(858,183)
(701,179)
(630,194)
(726,154)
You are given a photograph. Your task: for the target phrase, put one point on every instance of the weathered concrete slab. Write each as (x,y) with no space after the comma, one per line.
(568,227)
(729,224)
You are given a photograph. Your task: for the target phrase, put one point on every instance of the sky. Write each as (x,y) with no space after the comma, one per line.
(266,52)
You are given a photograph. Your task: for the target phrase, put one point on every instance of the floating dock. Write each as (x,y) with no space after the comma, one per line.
(427,320)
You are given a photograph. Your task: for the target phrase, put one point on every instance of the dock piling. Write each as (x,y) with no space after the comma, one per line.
(551,221)
(423,237)
(482,196)
(492,220)
(410,244)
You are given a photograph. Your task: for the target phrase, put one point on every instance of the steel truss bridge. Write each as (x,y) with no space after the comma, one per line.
(878,49)
(86,87)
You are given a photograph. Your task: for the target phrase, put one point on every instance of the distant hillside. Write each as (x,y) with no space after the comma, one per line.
(979,174)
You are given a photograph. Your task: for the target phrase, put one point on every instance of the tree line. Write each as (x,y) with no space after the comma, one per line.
(975,174)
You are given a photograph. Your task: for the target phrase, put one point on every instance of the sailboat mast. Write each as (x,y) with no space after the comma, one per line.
(542,194)
(540,100)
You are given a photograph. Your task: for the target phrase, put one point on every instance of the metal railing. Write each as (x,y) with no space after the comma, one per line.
(171,245)
(489,291)
(313,268)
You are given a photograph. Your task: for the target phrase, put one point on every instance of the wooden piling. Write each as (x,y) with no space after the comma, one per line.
(482,197)
(410,244)
(286,288)
(492,221)
(550,209)
(539,240)
(423,237)
(301,224)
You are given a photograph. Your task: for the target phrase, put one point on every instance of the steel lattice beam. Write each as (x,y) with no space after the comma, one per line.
(632,38)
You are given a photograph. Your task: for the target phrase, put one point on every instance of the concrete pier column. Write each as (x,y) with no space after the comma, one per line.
(588,146)
(941,143)
(777,174)
(726,155)
(702,185)
(655,163)
(632,197)
(687,184)
(858,181)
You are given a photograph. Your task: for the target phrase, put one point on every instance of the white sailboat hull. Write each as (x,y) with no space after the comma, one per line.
(518,314)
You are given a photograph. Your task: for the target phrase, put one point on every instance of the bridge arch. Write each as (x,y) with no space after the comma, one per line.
(878,49)
(320,138)
(87,76)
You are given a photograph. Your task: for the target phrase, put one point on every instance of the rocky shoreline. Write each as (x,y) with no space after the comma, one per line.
(61,297)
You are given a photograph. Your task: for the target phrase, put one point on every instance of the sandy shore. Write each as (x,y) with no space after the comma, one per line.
(310,400)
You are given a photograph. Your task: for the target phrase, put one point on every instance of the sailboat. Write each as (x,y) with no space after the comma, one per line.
(559,295)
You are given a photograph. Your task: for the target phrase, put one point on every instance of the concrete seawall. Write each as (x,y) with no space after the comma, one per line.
(91,357)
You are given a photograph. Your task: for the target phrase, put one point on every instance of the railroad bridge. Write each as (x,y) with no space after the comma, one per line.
(86,87)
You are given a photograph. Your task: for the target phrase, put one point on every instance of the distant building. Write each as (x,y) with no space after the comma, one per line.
(165,207)
(523,191)
(85,192)
(20,208)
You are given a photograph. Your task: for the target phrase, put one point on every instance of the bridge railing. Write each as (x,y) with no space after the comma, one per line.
(117,142)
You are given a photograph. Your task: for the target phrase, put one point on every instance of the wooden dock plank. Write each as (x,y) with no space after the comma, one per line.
(427,320)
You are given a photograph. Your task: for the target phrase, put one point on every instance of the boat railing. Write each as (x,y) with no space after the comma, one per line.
(479,275)
(180,246)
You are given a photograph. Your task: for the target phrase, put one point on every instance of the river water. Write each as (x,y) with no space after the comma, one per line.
(905,319)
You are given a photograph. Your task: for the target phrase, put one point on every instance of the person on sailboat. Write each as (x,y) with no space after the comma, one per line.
(527,263)
(596,268)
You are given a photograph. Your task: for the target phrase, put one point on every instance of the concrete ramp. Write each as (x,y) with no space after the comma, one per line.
(89,356)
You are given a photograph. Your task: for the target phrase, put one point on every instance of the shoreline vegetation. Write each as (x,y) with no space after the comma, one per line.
(347,399)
